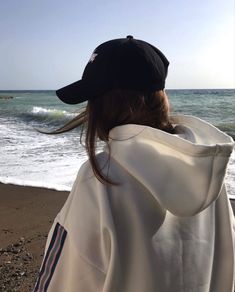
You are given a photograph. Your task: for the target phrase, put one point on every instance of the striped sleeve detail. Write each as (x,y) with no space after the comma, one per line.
(51,259)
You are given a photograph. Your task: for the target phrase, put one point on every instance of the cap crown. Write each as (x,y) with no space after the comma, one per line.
(127,64)
(118,64)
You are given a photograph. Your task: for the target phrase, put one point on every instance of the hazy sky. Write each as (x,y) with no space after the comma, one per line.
(45,44)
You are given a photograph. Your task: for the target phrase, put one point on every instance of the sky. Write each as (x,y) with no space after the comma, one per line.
(45,44)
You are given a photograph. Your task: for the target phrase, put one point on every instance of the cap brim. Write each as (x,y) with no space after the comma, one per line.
(74,93)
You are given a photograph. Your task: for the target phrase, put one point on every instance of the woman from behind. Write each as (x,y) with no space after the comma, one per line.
(150,212)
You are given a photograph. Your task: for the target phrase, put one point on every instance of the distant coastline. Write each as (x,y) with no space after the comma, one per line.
(6,97)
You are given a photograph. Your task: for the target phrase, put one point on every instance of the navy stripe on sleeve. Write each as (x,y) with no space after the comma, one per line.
(51,259)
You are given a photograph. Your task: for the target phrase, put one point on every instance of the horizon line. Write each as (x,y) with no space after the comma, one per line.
(228,88)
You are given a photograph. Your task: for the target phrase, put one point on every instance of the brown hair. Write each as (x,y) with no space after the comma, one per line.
(117,108)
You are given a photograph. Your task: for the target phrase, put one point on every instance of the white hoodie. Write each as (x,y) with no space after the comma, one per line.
(167,226)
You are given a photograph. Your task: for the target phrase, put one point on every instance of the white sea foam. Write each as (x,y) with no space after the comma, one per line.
(36,110)
(230,177)
(32,159)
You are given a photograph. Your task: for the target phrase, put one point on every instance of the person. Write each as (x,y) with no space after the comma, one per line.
(150,212)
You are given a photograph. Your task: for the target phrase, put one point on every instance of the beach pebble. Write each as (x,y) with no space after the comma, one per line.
(17,269)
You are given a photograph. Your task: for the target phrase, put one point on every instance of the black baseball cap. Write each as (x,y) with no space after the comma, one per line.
(126,63)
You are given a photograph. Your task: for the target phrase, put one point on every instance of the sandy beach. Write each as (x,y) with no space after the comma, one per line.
(26,214)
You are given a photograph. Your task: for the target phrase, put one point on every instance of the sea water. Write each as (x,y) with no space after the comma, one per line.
(30,158)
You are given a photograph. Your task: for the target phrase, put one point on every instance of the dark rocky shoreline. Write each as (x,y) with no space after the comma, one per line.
(5,97)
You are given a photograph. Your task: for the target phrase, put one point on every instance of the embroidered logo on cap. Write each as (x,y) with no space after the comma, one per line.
(92,58)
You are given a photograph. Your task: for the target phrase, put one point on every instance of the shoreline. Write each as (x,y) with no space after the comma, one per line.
(27,214)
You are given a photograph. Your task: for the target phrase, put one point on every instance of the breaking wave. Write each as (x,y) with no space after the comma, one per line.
(47,116)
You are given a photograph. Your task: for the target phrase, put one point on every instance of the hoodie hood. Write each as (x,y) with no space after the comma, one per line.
(183,171)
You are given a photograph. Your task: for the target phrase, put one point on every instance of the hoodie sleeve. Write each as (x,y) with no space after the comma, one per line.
(76,255)
(64,269)
(78,249)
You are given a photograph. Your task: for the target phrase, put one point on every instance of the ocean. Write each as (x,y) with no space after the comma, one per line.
(52,161)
